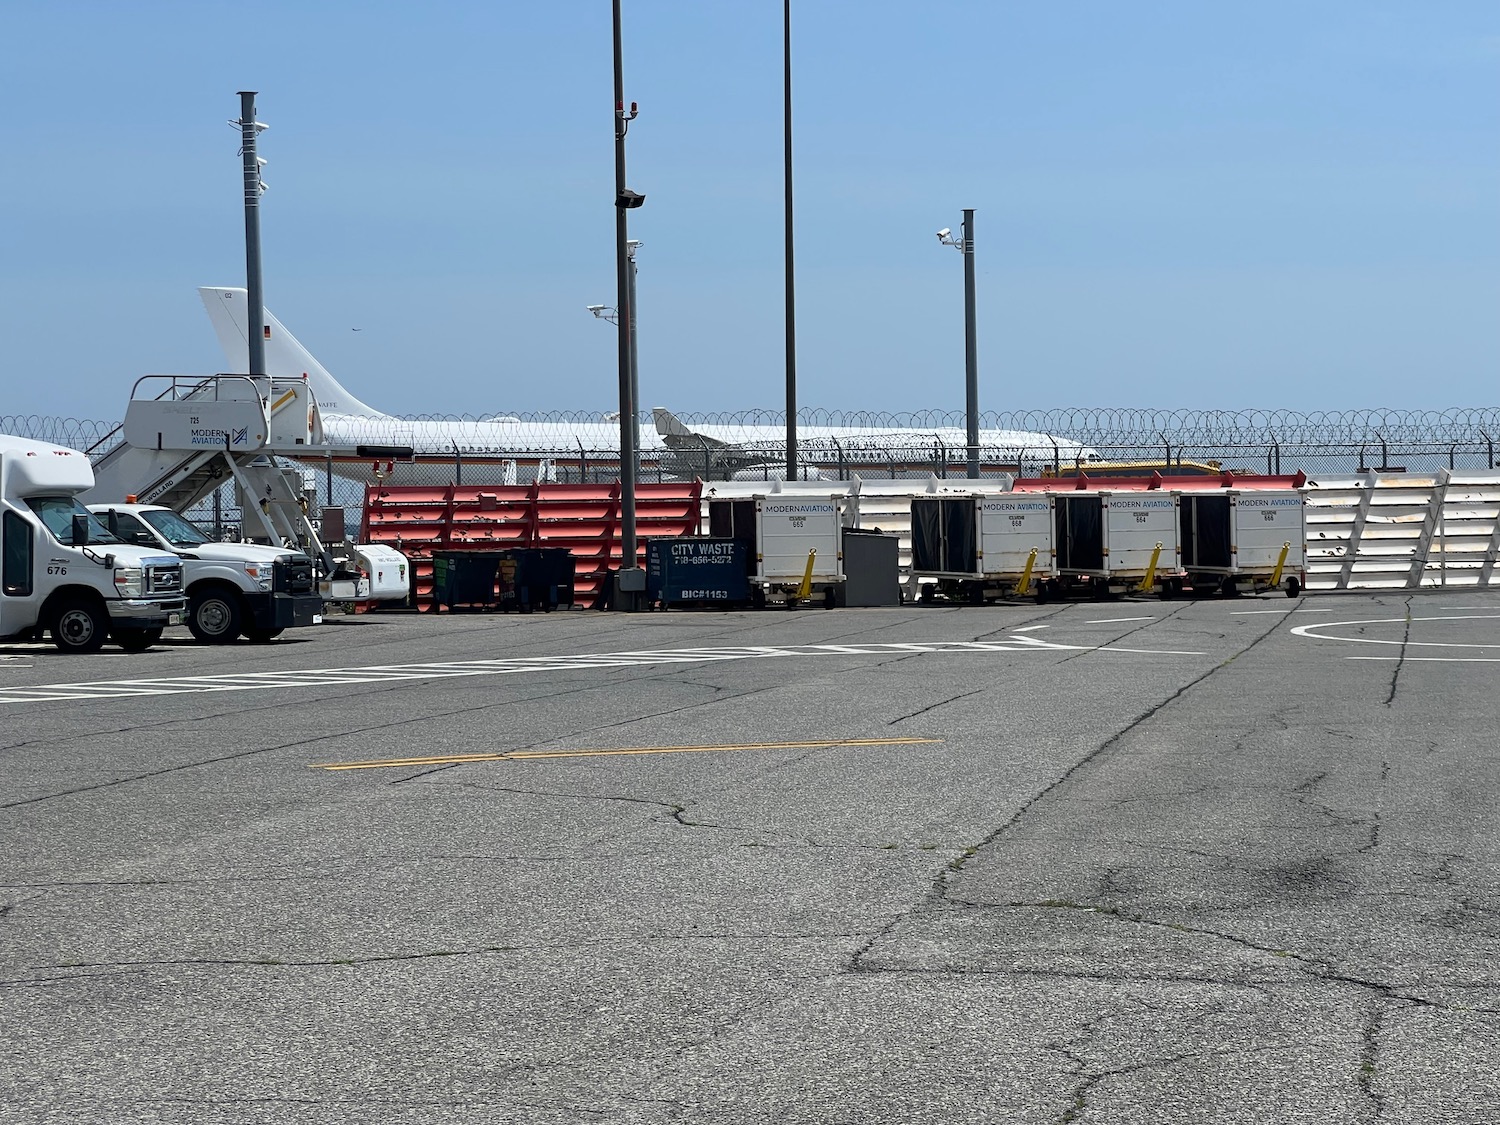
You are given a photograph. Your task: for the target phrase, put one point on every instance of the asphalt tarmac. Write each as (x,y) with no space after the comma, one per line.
(1110,862)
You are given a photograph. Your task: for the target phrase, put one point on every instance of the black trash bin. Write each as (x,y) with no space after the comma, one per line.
(542,578)
(465,580)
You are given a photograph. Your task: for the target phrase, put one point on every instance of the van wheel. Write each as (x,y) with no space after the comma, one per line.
(214,616)
(137,640)
(80,627)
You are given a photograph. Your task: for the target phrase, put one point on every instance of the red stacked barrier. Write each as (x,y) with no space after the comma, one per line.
(584,518)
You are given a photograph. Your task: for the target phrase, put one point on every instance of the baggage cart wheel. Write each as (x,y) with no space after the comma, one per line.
(1043,593)
(830,598)
(1293,587)
(976,593)
(1229,587)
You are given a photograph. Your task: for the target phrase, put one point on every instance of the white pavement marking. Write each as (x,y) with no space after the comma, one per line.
(1112,620)
(1433,659)
(1028,629)
(1307,631)
(1253,612)
(1152,651)
(387,673)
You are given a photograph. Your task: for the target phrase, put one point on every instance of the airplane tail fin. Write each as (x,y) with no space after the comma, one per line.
(286,358)
(670,428)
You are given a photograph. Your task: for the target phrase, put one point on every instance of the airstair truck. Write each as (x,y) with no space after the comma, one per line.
(62,572)
(232,588)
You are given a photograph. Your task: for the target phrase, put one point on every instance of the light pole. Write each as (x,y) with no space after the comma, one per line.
(605,312)
(632,579)
(254,294)
(791,293)
(965,244)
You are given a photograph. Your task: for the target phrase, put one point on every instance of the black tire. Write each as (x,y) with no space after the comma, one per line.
(976,593)
(758,597)
(214,615)
(80,626)
(1293,587)
(137,640)
(262,636)
(830,598)
(1229,587)
(1043,593)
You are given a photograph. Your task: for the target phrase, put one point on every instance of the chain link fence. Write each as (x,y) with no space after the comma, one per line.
(1322,443)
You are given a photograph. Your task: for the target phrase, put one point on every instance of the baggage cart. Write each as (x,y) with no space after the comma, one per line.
(981,546)
(796,540)
(1253,539)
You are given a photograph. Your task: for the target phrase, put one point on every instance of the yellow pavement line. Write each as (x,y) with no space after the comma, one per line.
(521,755)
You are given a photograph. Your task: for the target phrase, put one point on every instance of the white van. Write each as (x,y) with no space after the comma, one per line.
(62,572)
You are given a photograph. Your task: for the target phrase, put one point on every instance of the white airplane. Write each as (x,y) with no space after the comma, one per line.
(717,451)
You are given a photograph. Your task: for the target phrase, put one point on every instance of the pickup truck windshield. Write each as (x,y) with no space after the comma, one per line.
(174,529)
(57,513)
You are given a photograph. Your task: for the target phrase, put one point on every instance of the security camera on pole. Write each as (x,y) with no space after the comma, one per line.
(971,355)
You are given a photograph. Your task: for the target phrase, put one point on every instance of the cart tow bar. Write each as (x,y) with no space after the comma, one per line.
(1149,582)
(1280,562)
(804,591)
(1025,583)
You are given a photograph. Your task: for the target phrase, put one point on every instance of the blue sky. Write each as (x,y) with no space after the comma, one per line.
(1179,204)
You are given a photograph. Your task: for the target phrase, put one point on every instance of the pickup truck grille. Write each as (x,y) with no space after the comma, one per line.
(295,577)
(164,579)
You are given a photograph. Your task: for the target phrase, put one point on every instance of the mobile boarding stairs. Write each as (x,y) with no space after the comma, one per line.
(198,432)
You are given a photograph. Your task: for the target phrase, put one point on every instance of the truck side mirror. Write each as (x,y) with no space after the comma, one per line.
(113,523)
(80,529)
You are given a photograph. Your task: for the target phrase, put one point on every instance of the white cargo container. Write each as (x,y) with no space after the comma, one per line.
(975,546)
(798,542)
(1113,541)
(1237,539)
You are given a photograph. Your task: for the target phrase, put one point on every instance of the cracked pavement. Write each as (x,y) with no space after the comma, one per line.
(1260,884)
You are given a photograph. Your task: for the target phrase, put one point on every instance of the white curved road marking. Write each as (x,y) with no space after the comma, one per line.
(1313,632)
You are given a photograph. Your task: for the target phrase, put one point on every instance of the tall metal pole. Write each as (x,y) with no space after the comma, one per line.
(971,355)
(791,292)
(625,303)
(255,295)
(635,370)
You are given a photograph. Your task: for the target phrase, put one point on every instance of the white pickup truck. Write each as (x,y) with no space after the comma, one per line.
(62,572)
(232,588)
